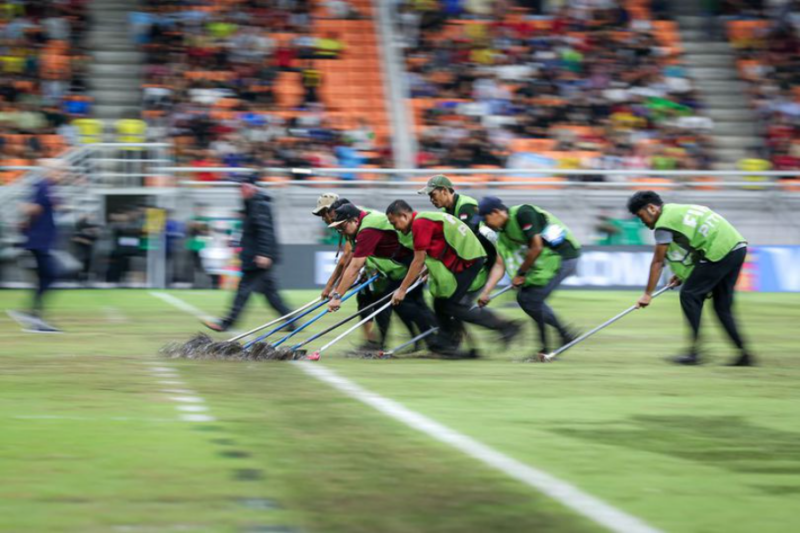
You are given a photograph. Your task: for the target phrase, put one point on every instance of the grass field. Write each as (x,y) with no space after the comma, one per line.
(92,438)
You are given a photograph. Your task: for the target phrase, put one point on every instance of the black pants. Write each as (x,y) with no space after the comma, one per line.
(261,281)
(532,301)
(47,273)
(452,312)
(413,311)
(84,253)
(719,280)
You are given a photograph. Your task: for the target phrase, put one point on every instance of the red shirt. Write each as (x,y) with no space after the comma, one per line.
(378,243)
(429,237)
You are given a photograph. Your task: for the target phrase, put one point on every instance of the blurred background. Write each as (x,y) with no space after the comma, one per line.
(151,108)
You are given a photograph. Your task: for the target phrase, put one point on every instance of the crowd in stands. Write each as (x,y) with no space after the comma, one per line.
(768,46)
(43,65)
(590,85)
(218,83)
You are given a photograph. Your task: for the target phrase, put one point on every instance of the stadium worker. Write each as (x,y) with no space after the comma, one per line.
(443,196)
(260,252)
(706,254)
(454,258)
(377,247)
(40,233)
(465,208)
(324,211)
(539,252)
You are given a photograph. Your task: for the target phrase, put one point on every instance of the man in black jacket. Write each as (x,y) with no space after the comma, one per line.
(260,252)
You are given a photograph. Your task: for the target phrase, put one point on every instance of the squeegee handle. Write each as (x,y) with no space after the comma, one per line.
(342,322)
(603,325)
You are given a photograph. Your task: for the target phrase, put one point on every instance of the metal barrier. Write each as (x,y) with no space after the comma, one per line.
(767,212)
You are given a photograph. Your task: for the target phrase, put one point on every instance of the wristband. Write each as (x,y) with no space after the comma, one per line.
(336,296)
(521,272)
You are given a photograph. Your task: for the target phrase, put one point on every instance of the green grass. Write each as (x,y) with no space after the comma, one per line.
(89,442)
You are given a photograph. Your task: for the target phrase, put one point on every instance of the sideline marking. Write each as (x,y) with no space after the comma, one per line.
(180,304)
(192,408)
(91,418)
(187,399)
(198,418)
(114,315)
(570,496)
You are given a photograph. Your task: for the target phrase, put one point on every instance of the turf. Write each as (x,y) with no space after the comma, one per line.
(89,441)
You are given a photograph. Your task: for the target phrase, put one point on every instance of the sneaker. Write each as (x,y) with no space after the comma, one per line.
(216,325)
(688,359)
(370,346)
(510,332)
(43,327)
(744,360)
(25,320)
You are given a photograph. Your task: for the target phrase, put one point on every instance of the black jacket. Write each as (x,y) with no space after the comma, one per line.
(258,232)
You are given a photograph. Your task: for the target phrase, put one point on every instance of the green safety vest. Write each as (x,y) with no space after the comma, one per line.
(483,275)
(513,245)
(700,233)
(441,282)
(389,268)
(462,201)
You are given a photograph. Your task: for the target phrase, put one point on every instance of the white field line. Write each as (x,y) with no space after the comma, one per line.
(186,413)
(115,316)
(180,304)
(568,495)
(91,418)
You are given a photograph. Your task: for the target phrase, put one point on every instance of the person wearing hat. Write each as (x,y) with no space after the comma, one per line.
(327,214)
(465,208)
(455,259)
(259,254)
(376,246)
(539,253)
(327,204)
(444,197)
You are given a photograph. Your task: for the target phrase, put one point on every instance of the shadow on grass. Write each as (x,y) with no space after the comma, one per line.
(728,442)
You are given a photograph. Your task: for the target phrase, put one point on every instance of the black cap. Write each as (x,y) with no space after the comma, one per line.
(344,213)
(338,203)
(489,204)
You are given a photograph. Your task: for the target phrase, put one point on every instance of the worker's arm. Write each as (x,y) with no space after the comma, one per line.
(656,266)
(31,210)
(414,270)
(535,247)
(344,260)
(495,275)
(348,278)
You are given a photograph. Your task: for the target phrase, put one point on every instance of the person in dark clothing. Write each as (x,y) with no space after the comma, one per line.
(539,253)
(706,254)
(126,231)
(40,231)
(86,234)
(260,252)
